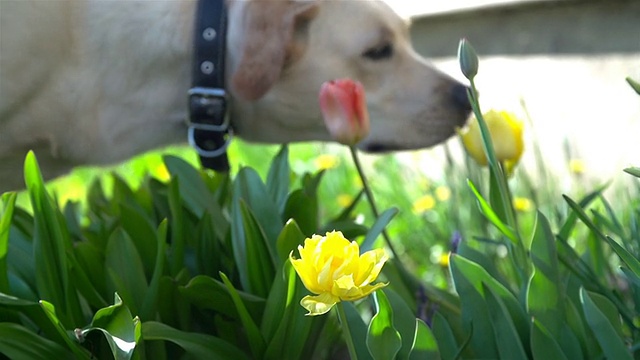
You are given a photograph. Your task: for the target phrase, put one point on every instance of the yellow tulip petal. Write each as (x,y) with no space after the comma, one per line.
(365,291)
(371,264)
(318,305)
(306,273)
(344,288)
(325,276)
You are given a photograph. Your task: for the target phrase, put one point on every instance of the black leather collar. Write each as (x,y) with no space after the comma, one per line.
(209,130)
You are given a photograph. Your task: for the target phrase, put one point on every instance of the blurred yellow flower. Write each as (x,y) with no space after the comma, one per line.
(443,193)
(506,135)
(577,166)
(326,161)
(161,172)
(522,204)
(344,200)
(424,203)
(444,260)
(332,268)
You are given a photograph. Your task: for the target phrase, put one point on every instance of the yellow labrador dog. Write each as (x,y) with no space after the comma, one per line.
(97,81)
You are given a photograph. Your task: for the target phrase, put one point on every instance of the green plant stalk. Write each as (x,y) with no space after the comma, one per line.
(494,165)
(342,316)
(369,193)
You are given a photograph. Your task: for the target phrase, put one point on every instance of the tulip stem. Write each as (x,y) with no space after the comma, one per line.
(342,316)
(369,193)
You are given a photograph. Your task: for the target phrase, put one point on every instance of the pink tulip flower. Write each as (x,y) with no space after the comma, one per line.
(344,110)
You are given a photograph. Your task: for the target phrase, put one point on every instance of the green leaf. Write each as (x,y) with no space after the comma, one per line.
(282,290)
(303,208)
(588,343)
(507,337)
(488,212)
(151,297)
(358,329)
(254,337)
(569,224)
(403,321)
(211,252)
(605,331)
(545,299)
(543,344)
(634,85)
(209,293)
(199,346)
(8,203)
(289,239)
(125,271)
(249,187)
(140,228)
(194,192)
(635,171)
(16,342)
(378,227)
(284,314)
(475,315)
(278,178)
(47,324)
(625,256)
(425,346)
(119,328)
(178,228)
(50,312)
(251,250)
(473,278)
(51,244)
(88,283)
(445,338)
(496,198)
(383,340)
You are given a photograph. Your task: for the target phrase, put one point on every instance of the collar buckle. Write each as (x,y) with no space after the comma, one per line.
(209,131)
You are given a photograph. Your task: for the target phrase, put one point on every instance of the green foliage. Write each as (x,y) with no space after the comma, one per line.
(200,262)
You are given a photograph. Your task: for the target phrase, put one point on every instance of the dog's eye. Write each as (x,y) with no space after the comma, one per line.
(381,52)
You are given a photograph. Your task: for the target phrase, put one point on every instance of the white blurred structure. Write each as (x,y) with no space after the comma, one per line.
(567,60)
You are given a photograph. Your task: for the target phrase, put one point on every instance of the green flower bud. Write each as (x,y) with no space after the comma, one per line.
(468,59)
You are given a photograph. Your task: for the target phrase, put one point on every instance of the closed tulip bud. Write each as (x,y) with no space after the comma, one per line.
(506,135)
(344,110)
(468,59)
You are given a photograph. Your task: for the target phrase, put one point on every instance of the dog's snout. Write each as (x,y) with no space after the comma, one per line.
(460,97)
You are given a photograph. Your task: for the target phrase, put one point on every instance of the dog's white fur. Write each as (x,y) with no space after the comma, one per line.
(96,81)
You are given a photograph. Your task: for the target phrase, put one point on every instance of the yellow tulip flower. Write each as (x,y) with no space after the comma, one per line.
(506,135)
(332,268)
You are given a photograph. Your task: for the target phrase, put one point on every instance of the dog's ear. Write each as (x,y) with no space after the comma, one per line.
(268,34)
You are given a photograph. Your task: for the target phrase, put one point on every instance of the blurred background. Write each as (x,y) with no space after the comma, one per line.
(562,63)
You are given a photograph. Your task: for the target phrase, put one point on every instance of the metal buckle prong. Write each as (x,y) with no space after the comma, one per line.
(208,153)
(208,92)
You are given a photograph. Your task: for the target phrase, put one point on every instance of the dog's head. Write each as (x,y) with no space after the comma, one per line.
(280,52)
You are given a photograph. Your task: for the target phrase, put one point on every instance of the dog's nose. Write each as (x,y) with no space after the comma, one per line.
(460,98)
